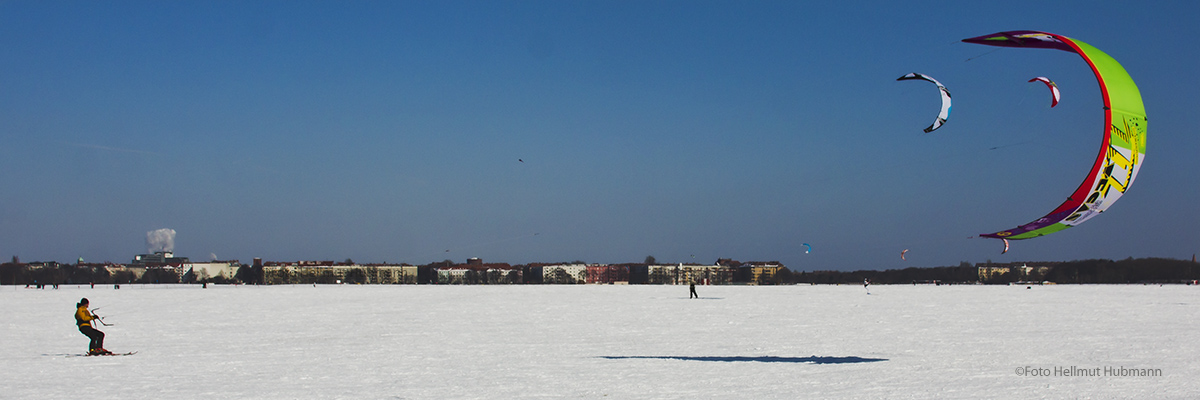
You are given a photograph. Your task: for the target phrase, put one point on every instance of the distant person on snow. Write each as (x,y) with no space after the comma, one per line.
(692,289)
(84,319)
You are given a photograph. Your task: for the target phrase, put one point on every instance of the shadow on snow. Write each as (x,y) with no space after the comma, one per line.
(768,359)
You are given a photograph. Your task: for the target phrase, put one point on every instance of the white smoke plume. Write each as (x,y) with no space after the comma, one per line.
(160,240)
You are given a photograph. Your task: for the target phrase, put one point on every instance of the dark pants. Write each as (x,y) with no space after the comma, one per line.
(693,293)
(97,337)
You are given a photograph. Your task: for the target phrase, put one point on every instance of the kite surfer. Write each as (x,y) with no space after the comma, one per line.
(84,318)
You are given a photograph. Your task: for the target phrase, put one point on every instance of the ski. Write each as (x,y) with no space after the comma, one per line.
(104,355)
(118,354)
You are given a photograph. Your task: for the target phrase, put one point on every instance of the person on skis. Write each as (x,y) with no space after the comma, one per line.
(84,318)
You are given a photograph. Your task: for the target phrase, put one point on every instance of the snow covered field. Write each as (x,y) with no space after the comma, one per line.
(591,341)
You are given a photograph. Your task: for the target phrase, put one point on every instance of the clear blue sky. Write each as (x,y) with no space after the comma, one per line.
(391,131)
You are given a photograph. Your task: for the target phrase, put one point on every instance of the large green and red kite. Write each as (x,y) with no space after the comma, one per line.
(1123,146)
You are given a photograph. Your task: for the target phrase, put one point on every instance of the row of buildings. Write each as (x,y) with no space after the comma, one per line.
(164,267)
(475,271)
(1023,272)
(161,267)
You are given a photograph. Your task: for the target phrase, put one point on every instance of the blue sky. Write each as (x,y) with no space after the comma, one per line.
(690,131)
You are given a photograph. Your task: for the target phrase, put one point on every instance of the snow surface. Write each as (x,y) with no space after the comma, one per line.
(591,341)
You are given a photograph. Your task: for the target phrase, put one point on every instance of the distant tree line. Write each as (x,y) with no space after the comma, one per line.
(20,274)
(1130,270)
(940,275)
